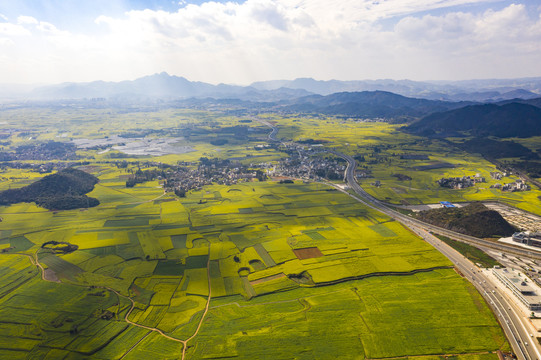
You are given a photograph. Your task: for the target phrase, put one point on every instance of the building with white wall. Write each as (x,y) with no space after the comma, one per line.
(522,287)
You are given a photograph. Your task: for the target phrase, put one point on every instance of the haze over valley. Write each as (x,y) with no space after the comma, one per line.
(269,179)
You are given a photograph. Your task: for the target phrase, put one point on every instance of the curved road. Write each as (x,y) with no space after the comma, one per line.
(407,220)
(513,322)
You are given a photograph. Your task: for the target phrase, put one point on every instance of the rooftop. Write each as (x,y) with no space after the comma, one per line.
(530,291)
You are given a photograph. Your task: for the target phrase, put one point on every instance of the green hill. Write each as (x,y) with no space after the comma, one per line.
(370,104)
(509,120)
(61,191)
(475,220)
(497,149)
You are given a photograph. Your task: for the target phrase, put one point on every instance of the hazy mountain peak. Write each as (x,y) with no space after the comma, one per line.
(164,85)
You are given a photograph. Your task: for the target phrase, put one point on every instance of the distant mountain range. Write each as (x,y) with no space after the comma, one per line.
(162,86)
(165,86)
(502,108)
(471,90)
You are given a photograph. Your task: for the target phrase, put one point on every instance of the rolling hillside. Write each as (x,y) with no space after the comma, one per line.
(370,104)
(509,120)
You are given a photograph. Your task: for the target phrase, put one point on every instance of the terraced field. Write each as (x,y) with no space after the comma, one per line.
(295,270)
(285,261)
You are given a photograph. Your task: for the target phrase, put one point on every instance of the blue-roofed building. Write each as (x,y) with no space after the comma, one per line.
(447,204)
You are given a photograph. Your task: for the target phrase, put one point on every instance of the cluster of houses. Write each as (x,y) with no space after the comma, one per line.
(212,173)
(302,164)
(498,175)
(468,181)
(461,182)
(518,185)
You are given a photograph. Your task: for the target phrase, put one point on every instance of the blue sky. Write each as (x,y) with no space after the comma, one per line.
(76,14)
(244,41)
(79,15)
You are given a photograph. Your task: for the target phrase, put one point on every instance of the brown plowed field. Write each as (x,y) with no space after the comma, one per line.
(307,253)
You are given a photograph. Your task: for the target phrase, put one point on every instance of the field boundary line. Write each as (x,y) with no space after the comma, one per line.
(34,261)
(136,324)
(277,302)
(415,356)
(134,345)
(185,342)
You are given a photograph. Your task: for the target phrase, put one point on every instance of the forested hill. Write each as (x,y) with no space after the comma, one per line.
(370,104)
(509,120)
(474,219)
(61,191)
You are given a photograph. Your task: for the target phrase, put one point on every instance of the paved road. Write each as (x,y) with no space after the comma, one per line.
(513,323)
(272,134)
(508,315)
(381,206)
(349,177)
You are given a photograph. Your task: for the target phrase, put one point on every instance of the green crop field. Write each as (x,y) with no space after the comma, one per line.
(256,277)
(375,318)
(382,145)
(296,270)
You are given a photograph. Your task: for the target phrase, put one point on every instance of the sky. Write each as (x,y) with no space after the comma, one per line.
(239,42)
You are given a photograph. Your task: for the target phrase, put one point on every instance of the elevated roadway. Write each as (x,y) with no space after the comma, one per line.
(511,318)
(374,203)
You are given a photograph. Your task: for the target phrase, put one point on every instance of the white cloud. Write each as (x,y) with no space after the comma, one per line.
(268,12)
(3,17)
(507,28)
(6,42)
(261,39)
(48,28)
(9,29)
(509,23)
(27,20)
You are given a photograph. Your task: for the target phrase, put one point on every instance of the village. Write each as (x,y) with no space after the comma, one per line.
(469,181)
(309,163)
(193,175)
(304,162)
(461,182)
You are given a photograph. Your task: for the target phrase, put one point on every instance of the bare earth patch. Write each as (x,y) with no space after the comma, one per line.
(307,253)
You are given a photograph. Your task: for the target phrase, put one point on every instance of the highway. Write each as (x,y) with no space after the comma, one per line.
(272,134)
(512,320)
(506,312)
(381,206)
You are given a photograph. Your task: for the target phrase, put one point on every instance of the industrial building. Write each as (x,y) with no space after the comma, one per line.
(532,239)
(522,287)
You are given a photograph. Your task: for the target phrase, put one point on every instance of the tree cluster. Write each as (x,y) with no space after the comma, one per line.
(64,190)
(141,176)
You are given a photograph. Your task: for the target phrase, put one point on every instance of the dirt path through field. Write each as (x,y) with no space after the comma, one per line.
(35,261)
(185,342)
